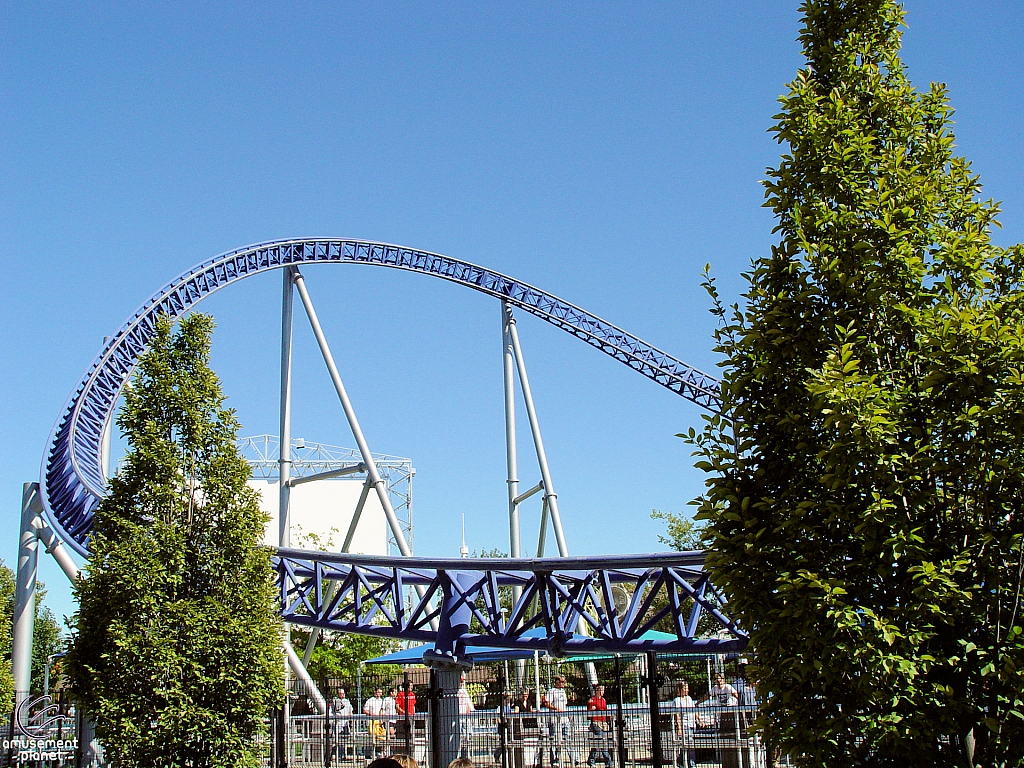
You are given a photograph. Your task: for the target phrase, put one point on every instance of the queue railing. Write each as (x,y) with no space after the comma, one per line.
(704,737)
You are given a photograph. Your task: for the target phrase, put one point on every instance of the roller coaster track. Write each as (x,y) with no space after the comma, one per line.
(536,604)
(72,480)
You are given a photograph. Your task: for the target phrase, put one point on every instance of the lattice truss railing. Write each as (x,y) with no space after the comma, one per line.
(72,480)
(552,605)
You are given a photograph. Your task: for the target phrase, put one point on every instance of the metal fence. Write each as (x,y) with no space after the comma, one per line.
(503,720)
(646,723)
(47,734)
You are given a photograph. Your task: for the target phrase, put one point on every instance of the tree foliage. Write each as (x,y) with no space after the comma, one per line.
(682,534)
(47,637)
(6,638)
(176,648)
(866,474)
(337,655)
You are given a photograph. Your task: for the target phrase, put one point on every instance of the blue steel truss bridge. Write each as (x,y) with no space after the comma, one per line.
(556,604)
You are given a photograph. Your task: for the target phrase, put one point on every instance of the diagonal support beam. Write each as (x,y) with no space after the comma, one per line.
(372,473)
(350,414)
(538,442)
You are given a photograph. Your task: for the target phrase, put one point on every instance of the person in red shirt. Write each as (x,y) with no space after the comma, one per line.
(406,700)
(405,703)
(600,729)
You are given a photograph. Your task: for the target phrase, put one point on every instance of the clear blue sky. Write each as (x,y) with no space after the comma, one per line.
(604,152)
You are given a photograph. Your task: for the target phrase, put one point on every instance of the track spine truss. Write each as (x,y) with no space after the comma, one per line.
(473,601)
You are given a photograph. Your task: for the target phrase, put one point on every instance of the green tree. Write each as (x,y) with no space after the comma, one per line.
(6,639)
(866,473)
(47,638)
(338,654)
(176,648)
(682,534)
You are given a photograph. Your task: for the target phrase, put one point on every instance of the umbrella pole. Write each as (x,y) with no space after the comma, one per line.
(536,676)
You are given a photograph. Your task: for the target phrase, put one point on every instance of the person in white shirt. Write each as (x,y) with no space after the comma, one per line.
(721,694)
(374,705)
(374,708)
(559,728)
(684,722)
(466,708)
(390,710)
(341,711)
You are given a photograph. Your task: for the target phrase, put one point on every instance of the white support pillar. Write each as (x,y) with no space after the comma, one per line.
(354,522)
(543,533)
(56,548)
(299,669)
(25,594)
(285,451)
(549,489)
(508,367)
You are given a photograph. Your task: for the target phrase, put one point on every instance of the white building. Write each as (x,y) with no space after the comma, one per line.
(325,508)
(322,510)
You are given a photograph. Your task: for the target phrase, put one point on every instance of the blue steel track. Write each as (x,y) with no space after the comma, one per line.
(71,479)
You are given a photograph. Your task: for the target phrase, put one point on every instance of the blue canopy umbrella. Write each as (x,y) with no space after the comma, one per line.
(484,654)
(478,654)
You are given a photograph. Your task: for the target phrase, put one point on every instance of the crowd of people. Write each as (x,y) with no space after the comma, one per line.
(389,716)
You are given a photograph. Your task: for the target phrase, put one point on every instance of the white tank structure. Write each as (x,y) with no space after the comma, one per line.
(323,512)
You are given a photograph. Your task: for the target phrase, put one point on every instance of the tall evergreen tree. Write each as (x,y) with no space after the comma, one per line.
(176,647)
(864,502)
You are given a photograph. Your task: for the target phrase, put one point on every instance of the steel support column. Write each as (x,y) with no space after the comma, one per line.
(284,510)
(25,594)
(511,458)
(444,712)
(284,454)
(55,547)
(285,439)
(543,534)
(653,686)
(508,368)
(538,443)
(34,530)
(301,674)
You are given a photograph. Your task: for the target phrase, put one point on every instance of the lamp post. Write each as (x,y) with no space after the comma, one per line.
(46,671)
